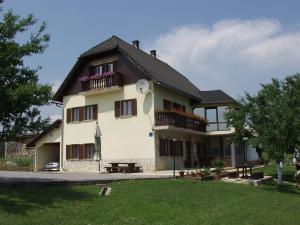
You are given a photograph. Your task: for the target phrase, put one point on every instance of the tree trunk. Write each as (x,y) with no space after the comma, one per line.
(279,172)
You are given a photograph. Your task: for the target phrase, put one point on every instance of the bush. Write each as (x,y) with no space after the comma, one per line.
(218,164)
(23,162)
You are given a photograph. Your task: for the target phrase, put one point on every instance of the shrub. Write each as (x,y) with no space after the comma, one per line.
(206,171)
(218,164)
(23,162)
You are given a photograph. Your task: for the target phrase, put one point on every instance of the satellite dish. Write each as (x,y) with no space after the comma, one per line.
(142,86)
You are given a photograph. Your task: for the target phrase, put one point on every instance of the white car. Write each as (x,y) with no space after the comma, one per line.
(52,166)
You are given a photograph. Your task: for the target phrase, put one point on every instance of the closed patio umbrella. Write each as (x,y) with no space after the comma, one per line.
(98,143)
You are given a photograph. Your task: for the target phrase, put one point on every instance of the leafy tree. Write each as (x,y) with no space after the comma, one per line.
(270,119)
(21,94)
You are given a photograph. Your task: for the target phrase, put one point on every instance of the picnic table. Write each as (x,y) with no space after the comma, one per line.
(127,167)
(244,168)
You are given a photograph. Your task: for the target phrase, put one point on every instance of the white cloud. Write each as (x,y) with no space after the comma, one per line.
(55,117)
(232,55)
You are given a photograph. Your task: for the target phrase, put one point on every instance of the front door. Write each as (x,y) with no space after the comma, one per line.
(188,154)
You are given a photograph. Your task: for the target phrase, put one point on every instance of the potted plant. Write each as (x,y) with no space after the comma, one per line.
(219,166)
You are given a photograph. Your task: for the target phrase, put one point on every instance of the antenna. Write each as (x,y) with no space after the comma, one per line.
(142,86)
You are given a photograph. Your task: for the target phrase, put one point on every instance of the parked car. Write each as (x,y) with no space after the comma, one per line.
(52,166)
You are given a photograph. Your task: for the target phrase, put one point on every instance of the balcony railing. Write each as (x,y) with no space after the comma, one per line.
(180,119)
(103,82)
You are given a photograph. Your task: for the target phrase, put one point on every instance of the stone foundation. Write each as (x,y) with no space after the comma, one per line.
(92,165)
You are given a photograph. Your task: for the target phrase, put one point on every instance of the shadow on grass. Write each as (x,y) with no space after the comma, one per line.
(22,200)
(283,188)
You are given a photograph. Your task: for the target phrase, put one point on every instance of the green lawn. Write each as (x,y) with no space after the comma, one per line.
(152,202)
(288,171)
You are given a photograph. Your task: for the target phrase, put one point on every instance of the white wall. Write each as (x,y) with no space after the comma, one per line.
(161,93)
(123,139)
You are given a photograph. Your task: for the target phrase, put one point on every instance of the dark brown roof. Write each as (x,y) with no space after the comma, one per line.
(55,124)
(154,68)
(215,97)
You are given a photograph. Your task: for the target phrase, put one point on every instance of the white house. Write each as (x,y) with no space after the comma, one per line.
(143,126)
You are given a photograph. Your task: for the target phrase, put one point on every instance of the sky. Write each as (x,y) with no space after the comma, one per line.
(231,45)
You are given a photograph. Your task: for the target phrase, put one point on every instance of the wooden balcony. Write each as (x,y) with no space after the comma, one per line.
(102,84)
(181,120)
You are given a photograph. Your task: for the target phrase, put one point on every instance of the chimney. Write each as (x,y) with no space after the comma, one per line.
(153,53)
(136,44)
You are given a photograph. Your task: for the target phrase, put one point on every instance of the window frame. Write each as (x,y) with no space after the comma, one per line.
(128,108)
(90,109)
(77,109)
(89,151)
(76,149)
(99,66)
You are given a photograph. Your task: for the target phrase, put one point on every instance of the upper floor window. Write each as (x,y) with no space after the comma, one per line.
(126,108)
(110,67)
(103,68)
(215,117)
(168,105)
(75,115)
(81,113)
(99,70)
(88,112)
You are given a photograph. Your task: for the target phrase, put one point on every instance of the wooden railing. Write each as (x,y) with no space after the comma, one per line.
(103,82)
(181,120)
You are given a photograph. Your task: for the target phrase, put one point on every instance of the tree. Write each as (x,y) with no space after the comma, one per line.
(270,119)
(21,94)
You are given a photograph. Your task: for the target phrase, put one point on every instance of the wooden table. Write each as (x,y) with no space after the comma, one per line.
(244,168)
(122,167)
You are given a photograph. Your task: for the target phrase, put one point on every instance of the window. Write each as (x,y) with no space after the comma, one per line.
(75,115)
(176,106)
(99,70)
(75,152)
(89,151)
(110,67)
(167,147)
(126,108)
(88,112)
(167,105)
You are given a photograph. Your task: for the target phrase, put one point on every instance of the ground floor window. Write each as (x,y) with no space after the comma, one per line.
(89,151)
(75,152)
(168,147)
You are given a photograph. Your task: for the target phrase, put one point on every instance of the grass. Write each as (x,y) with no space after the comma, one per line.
(289,171)
(152,202)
